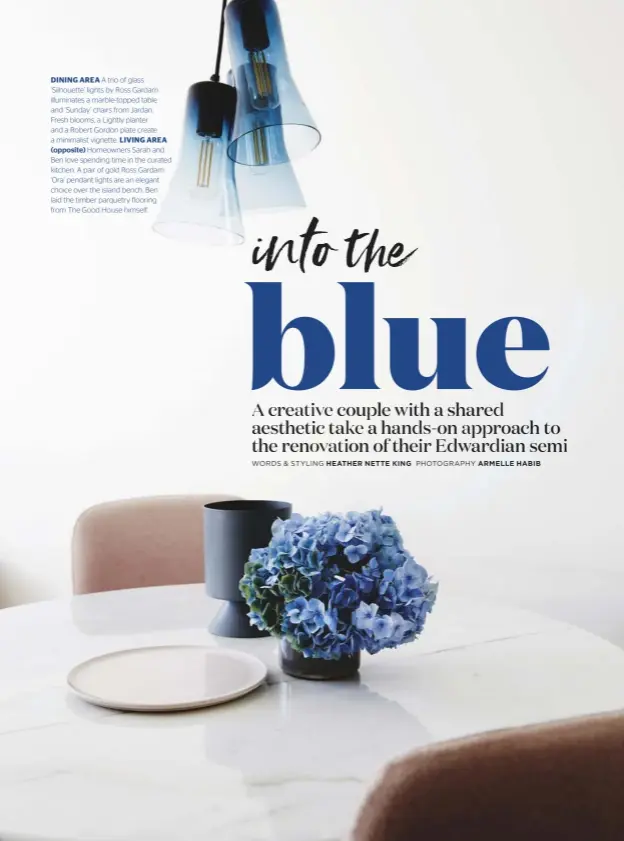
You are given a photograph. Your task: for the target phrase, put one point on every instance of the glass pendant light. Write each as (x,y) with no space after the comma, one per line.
(272,124)
(202,203)
(267,189)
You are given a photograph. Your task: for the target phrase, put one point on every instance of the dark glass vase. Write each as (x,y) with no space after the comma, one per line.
(314,668)
(231,530)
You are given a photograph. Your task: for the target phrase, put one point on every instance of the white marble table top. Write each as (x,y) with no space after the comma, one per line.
(290,762)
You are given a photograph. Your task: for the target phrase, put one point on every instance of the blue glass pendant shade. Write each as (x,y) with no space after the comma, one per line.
(202,203)
(272,123)
(271,189)
(268,189)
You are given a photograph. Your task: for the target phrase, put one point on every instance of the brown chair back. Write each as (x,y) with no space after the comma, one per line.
(563,781)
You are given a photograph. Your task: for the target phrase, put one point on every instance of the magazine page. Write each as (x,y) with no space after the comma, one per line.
(310,339)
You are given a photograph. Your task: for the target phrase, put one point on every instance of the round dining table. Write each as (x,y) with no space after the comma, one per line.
(291,761)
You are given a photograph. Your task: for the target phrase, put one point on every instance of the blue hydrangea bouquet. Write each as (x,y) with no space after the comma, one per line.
(334,585)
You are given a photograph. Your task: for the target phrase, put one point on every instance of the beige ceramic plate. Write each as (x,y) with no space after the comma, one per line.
(167,678)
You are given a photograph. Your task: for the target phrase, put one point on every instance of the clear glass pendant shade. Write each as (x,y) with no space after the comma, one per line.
(273,189)
(272,124)
(202,202)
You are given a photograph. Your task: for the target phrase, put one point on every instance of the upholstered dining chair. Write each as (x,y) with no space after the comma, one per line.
(560,781)
(143,542)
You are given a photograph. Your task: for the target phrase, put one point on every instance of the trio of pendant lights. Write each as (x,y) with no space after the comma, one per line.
(239,137)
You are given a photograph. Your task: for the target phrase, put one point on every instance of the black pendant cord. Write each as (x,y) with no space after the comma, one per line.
(217,73)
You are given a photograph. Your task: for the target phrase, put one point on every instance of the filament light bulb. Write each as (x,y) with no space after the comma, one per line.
(263,83)
(204,170)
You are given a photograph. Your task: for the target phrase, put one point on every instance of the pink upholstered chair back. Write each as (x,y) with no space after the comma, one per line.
(560,781)
(144,542)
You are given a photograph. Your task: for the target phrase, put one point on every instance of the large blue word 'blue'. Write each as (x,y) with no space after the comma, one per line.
(319,349)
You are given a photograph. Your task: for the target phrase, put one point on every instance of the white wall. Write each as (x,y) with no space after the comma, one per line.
(488,134)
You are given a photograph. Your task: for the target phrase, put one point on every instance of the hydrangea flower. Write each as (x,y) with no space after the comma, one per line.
(333,585)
